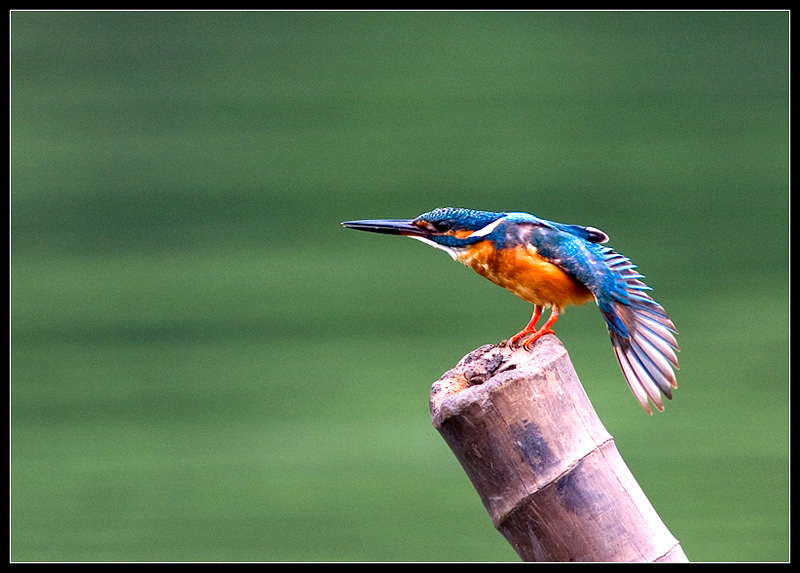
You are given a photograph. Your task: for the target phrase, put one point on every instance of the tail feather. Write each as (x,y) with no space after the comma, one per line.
(638,381)
(655,364)
(647,357)
(661,340)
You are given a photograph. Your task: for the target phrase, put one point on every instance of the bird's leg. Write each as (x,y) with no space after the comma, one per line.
(530,334)
(545,329)
(530,329)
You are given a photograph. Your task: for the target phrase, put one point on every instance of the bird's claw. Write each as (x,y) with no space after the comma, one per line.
(528,338)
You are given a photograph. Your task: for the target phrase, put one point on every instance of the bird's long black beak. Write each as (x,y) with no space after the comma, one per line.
(388,227)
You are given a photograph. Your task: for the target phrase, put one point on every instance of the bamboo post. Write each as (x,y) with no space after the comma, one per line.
(544,466)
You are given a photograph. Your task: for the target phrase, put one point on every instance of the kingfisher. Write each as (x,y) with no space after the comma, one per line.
(555,265)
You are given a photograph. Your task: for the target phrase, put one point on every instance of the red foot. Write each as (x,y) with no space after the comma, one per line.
(529,329)
(530,334)
(528,342)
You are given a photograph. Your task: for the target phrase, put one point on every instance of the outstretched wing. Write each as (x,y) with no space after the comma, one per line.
(641,333)
(642,336)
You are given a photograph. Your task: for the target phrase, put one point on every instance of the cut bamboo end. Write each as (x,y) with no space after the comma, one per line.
(546,469)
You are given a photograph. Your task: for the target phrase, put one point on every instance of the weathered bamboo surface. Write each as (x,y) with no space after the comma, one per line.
(546,469)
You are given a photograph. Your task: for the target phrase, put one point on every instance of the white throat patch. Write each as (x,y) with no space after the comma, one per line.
(452,251)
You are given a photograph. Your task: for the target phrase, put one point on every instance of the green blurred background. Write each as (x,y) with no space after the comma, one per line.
(206,366)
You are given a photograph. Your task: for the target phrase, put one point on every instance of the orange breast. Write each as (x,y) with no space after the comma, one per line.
(525,273)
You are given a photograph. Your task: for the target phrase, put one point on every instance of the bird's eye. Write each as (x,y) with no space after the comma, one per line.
(441,226)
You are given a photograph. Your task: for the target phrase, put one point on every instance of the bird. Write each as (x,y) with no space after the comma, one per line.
(555,265)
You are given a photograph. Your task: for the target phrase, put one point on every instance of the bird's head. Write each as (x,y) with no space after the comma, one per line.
(452,230)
